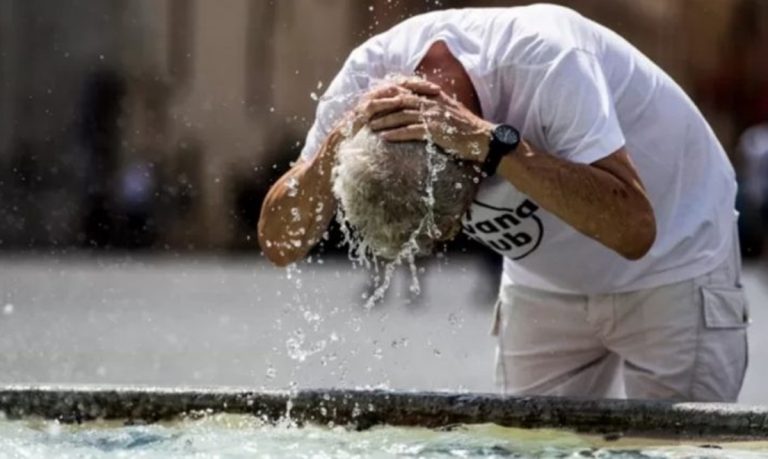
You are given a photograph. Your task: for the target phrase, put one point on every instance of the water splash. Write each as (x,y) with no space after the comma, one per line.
(297,350)
(362,254)
(235,436)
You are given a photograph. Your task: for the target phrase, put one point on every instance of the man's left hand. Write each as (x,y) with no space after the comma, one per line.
(440,119)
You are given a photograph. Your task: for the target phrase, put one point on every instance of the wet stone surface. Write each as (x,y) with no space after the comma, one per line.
(365,409)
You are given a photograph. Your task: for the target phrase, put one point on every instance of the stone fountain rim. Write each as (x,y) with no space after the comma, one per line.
(364,408)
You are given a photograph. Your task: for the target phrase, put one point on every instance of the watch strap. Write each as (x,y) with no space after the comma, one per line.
(493,159)
(499,147)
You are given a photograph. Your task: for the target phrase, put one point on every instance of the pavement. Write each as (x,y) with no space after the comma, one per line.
(213,321)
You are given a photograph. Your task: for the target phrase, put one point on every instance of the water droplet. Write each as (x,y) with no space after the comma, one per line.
(402,342)
(53,428)
(293,186)
(271,373)
(454,320)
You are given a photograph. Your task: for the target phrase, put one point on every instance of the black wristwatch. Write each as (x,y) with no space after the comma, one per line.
(504,141)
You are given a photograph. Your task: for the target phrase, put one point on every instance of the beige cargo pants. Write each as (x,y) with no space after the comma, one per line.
(683,341)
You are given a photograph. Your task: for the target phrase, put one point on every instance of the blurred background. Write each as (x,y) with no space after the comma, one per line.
(138,138)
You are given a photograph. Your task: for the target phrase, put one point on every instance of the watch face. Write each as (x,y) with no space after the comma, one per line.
(507,134)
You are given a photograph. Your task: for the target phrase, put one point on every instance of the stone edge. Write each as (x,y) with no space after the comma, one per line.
(362,409)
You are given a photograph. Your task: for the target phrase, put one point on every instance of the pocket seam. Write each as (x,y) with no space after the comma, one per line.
(496,324)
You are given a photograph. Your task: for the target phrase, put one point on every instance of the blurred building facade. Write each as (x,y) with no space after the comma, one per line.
(161,123)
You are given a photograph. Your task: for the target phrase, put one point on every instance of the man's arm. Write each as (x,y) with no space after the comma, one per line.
(604,200)
(299,206)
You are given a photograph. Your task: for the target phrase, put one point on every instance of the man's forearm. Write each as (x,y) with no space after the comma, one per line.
(598,200)
(299,206)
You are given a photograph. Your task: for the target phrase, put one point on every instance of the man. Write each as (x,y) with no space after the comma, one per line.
(615,213)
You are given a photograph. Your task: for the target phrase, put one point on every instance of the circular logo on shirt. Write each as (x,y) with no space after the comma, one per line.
(513,232)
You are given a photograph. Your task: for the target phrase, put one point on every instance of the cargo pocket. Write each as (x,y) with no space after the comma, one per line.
(725,307)
(722,345)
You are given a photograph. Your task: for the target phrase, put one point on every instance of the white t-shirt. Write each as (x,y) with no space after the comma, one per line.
(579,91)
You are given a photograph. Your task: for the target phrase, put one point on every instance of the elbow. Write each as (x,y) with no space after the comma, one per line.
(642,235)
(278,259)
(272,240)
(279,254)
(275,256)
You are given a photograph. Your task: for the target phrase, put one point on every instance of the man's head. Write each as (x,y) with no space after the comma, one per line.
(398,194)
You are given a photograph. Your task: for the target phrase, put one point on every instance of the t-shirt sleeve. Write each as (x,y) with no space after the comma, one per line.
(577,110)
(342,94)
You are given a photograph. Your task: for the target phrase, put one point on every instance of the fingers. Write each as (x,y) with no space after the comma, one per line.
(396,119)
(389,90)
(379,107)
(369,106)
(407,95)
(408,133)
(421,87)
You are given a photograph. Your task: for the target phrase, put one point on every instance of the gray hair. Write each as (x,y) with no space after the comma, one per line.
(399,198)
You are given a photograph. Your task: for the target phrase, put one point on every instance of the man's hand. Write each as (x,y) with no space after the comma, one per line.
(430,114)
(405,94)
